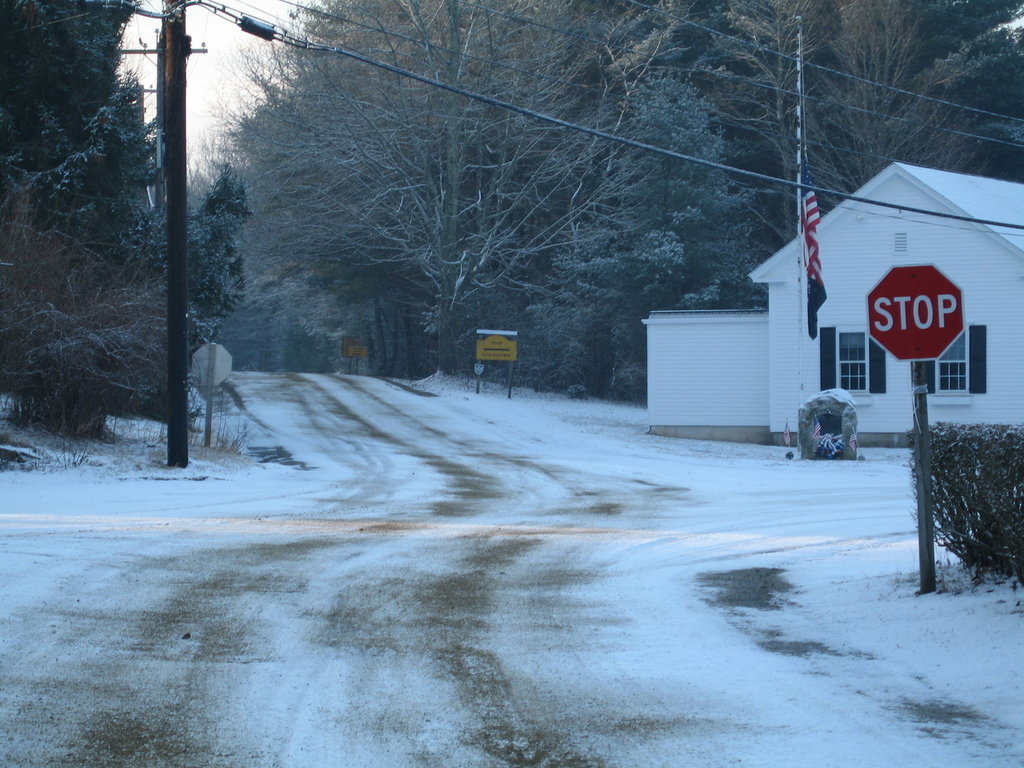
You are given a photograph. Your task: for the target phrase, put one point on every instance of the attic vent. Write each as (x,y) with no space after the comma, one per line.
(899,244)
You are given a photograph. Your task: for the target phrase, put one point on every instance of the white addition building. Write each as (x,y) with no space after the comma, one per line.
(742,375)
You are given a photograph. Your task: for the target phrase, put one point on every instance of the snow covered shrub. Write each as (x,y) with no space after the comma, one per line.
(978,494)
(576,392)
(80,336)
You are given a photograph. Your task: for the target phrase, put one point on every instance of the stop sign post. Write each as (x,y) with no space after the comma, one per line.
(915,313)
(211,364)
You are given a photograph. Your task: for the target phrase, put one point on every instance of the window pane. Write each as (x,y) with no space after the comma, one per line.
(851,346)
(957,350)
(952,367)
(853,364)
(952,377)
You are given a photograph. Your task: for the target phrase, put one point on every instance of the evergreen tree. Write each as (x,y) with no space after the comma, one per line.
(71,130)
(683,246)
(216,281)
(79,308)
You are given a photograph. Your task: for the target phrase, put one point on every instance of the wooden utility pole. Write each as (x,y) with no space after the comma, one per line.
(176,48)
(923,476)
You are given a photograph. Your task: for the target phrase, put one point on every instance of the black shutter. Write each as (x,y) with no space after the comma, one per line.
(827,338)
(876,368)
(929,374)
(977,372)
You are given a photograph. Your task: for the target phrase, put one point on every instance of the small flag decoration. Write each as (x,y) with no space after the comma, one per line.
(853,443)
(787,436)
(817,429)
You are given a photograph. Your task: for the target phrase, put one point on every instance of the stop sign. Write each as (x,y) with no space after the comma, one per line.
(211,364)
(915,312)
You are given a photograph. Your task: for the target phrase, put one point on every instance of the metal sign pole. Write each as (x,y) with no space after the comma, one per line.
(211,361)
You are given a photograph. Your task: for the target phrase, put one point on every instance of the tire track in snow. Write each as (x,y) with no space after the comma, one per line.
(521,482)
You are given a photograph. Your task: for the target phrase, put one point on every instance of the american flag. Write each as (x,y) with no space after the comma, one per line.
(853,442)
(787,436)
(809,217)
(817,429)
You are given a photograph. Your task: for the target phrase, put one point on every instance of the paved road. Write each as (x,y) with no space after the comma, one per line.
(426,591)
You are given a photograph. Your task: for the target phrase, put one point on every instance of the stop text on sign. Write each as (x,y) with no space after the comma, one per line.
(924,312)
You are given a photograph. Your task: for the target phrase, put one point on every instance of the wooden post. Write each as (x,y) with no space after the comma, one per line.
(923,476)
(176,47)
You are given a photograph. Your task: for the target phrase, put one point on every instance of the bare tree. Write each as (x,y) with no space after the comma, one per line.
(879,41)
(369,172)
(854,126)
(80,338)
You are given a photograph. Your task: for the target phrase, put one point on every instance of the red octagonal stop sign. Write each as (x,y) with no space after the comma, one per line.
(915,312)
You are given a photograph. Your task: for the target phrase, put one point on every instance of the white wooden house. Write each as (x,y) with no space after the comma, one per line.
(743,375)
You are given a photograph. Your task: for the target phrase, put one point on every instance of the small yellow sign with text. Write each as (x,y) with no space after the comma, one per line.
(496,348)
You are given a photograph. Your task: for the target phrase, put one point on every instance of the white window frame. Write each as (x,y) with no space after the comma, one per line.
(843,378)
(945,373)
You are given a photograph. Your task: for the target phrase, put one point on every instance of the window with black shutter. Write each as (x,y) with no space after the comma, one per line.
(962,368)
(876,368)
(851,361)
(977,359)
(827,342)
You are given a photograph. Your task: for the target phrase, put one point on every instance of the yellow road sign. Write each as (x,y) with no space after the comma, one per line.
(496,348)
(351,346)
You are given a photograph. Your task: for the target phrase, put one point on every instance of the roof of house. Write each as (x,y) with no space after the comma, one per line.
(978,196)
(958,193)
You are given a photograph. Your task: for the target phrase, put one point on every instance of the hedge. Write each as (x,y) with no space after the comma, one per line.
(977,473)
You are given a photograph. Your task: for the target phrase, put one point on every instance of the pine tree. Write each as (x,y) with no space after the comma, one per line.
(79,308)
(216,281)
(71,130)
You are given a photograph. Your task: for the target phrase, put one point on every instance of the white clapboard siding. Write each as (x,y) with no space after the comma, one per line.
(707,369)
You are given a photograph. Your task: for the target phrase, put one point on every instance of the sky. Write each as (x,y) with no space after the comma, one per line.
(210,75)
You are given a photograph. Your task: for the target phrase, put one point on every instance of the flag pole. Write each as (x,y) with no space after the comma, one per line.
(799,128)
(800,297)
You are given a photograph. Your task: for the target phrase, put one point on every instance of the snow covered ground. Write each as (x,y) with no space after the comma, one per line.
(467,580)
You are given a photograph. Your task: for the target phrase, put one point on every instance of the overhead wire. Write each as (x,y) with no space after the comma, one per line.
(626,49)
(567,83)
(711,72)
(840,73)
(305,44)
(860,110)
(434,46)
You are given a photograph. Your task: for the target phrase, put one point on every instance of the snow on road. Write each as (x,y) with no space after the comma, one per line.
(439,578)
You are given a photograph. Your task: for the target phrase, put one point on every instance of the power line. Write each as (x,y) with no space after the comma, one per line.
(422,43)
(626,49)
(812,142)
(769,86)
(860,110)
(848,75)
(512,17)
(951,225)
(304,44)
